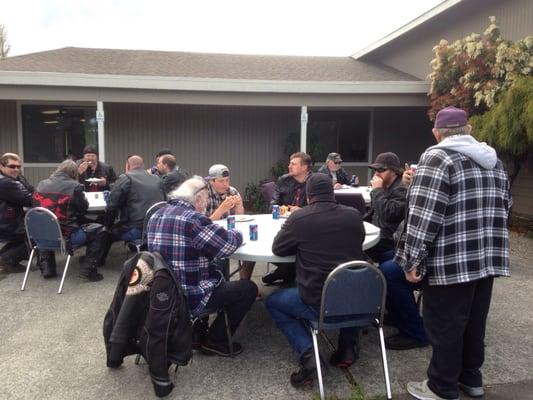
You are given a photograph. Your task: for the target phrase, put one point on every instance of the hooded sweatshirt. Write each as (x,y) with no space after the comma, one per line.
(480,152)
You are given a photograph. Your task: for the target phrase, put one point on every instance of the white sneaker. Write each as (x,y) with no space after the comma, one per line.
(421,391)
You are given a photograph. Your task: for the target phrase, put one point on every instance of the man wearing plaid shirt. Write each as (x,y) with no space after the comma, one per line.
(456,240)
(189,242)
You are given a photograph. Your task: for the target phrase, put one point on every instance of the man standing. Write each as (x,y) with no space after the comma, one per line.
(457,239)
(333,168)
(171,174)
(15,193)
(189,241)
(290,191)
(63,195)
(322,235)
(132,195)
(387,212)
(100,174)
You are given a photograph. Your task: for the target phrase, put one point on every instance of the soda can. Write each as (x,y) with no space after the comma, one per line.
(231,222)
(253,232)
(352,180)
(275,211)
(106,195)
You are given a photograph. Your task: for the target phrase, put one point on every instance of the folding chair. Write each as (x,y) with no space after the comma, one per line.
(353,296)
(354,200)
(138,244)
(44,233)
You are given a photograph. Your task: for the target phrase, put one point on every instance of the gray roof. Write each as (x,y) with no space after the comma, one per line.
(202,65)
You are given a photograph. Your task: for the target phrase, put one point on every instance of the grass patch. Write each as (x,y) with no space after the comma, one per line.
(356,394)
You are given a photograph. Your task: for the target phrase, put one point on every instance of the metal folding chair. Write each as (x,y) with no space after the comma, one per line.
(140,243)
(353,296)
(44,233)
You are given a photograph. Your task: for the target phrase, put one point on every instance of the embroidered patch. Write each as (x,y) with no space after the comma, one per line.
(141,278)
(162,296)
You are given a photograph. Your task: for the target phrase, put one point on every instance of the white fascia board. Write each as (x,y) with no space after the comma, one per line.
(406,28)
(25,78)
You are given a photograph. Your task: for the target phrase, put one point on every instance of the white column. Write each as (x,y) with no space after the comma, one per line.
(303,129)
(100,117)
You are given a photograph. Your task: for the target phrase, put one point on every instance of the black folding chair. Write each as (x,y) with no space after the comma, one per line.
(44,233)
(353,296)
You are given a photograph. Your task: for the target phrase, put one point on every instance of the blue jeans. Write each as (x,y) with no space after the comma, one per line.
(401,303)
(130,235)
(78,237)
(289,312)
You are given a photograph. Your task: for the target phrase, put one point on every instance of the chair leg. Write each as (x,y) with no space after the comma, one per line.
(64,275)
(384,361)
(228,332)
(314,334)
(27,269)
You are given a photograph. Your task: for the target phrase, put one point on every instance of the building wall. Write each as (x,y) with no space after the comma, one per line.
(8,127)
(249,140)
(412,52)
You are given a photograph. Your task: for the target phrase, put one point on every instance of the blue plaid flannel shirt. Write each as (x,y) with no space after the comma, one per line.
(189,241)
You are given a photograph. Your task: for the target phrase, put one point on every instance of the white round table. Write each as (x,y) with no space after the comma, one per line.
(362,190)
(261,249)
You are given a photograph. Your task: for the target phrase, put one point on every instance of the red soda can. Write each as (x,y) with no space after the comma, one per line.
(253,231)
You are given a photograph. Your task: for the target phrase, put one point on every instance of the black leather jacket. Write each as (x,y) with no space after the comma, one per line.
(285,190)
(102,170)
(173,180)
(342,176)
(14,195)
(64,197)
(133,194)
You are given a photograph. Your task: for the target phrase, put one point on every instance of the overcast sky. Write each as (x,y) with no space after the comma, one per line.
(284,27)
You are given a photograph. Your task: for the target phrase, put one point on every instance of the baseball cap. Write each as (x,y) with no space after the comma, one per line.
(451,117)
(335,157)
(218,171)
(387,160)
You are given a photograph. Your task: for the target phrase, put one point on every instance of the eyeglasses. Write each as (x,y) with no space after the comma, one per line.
(202,188)
(14,166)
(338,162)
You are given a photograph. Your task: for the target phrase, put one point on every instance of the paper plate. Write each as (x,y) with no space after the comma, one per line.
(243,218)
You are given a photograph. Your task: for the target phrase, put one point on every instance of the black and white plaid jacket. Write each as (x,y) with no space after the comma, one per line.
(456,228)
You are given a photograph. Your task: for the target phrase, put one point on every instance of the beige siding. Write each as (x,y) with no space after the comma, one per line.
(249,140)
(37,174)
(8,127)
(412,52)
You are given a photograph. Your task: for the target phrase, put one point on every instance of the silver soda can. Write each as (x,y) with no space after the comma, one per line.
(231,222)
(275,211)
(253,232)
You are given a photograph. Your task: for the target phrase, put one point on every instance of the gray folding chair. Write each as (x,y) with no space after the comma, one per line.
(353,296)
(140,243)
(44,233)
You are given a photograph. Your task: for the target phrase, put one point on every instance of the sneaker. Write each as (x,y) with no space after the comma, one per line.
(473,391)
(303,377)
(220,349)
(402,342)
(421,391)
(272,277)
(343,358)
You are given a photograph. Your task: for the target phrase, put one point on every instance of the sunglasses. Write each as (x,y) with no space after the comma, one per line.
(338,162)
(14,166)
(380,169)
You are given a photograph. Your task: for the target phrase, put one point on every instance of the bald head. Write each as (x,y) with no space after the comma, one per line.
(135,162)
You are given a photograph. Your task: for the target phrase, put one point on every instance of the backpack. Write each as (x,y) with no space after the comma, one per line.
(149,315)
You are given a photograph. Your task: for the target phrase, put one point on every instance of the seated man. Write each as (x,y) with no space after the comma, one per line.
(63,195)
(387,212)
(171,174)
(154,170)
(332,167)
(90,167)
(189,241)
(290,191)
(132,195)
(322,235)
(15,193)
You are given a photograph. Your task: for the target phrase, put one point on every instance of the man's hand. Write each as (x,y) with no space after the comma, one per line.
(83,167)
(102,182)
(294,208)
(227,204)
(376,182)
(237,200)
(407,176)
(413,275)
(337,186)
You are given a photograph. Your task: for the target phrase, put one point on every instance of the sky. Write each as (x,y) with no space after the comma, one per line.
(272,27)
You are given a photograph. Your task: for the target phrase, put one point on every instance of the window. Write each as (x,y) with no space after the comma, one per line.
(52,133)
(344,132)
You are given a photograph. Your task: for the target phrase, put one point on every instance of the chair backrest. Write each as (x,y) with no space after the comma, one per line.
(43,230)
(267,192)
(353,290)
(354,200)
(153,208)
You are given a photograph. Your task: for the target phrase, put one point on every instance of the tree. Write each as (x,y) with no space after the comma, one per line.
(472,72)
(4,45)
(508,125)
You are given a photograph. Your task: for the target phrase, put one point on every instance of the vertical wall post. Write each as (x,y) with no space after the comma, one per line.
(100,118)
(303,129)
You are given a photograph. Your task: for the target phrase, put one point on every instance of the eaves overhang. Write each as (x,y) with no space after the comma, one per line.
(166,83)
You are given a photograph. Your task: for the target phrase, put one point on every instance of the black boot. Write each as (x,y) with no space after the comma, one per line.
(305,375)
(88,271)
(284,272)
(47,264)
